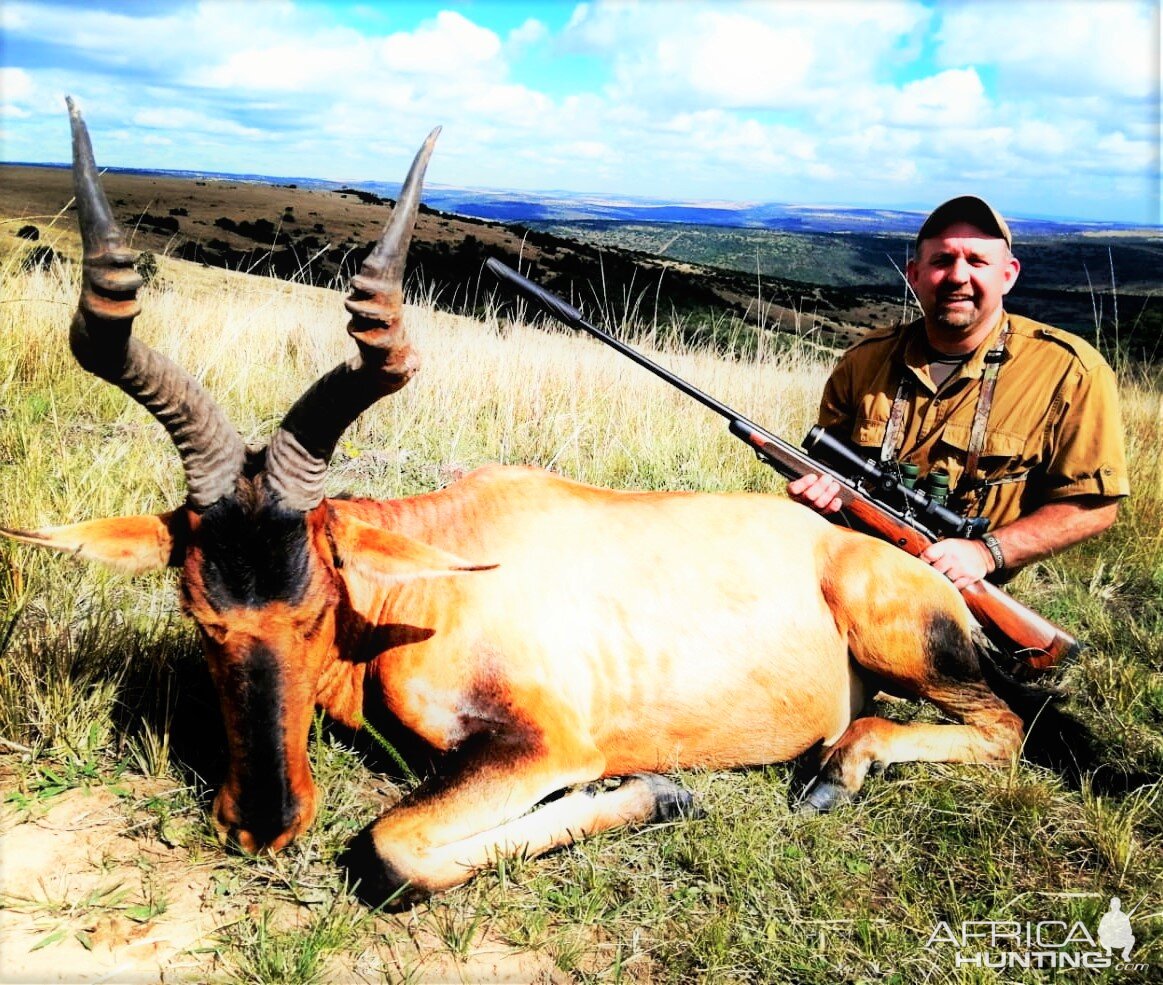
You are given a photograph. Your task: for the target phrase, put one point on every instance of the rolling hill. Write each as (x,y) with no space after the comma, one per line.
(820,274)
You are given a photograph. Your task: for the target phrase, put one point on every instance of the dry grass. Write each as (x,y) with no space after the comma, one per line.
(102,688)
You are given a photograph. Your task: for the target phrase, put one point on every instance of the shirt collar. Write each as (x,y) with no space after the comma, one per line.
(914,353)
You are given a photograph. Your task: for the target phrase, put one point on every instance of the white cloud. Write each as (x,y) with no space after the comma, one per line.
(1041,139)
(1069,46)
(780,100)
(15,85)
(588,150)
(530,33)
(449,44)
(1125,156)
(742,63)
(756,55)
(187,122)
(287,67)
(16,88)
(952,98)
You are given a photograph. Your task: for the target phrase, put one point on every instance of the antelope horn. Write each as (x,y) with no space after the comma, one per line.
(299,451)
(100,336)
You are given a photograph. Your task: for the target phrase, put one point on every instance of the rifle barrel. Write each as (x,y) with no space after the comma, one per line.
(572,317)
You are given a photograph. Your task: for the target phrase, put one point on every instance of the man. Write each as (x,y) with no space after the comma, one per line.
(1023,417)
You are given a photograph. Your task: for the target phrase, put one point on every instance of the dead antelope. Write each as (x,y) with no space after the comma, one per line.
(542,633)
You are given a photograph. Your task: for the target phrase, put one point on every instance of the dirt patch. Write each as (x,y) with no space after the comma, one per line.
(86,899)
(93,889)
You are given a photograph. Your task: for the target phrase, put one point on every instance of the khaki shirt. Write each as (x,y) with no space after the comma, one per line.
(1054,426)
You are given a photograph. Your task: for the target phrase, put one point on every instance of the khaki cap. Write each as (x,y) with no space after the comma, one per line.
(965,208)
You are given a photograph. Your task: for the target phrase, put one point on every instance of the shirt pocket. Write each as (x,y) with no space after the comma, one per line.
(1001,453)
(869,434)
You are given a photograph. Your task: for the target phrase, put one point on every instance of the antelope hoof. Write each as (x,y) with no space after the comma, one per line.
(823,796)
(671,801)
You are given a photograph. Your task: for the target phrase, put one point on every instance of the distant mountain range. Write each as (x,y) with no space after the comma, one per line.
(506,206)
(564,206)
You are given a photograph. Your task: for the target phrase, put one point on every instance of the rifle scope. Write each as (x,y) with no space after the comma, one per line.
(880,483)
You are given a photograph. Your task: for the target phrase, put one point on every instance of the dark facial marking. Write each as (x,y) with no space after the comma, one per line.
(254,691)
(251,556)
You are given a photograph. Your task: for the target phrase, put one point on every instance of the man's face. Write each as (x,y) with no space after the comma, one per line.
(960,277)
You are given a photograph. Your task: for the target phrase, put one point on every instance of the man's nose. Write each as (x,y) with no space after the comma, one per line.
(958,271)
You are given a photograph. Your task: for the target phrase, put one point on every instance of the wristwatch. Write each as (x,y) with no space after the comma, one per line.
(994,548)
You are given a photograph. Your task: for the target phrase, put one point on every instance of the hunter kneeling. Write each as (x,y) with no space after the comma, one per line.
(1022,417)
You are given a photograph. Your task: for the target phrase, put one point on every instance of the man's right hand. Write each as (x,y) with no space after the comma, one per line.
(820,492)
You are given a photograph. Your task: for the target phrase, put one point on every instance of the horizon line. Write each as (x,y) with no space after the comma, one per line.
(608,198)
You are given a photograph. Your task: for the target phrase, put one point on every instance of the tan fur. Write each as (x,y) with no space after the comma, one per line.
(132,544)
(643,632)
(547,633)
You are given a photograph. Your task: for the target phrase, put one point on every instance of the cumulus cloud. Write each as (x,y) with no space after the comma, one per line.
(185,121)
(450,42)
(882,103)
(1068,47)
(530,33)
(953,98)
(755,55)
(17,89)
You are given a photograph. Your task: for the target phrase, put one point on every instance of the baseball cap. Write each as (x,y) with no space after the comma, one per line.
(965,208)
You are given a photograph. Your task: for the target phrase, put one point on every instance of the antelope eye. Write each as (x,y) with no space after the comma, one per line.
(308,628)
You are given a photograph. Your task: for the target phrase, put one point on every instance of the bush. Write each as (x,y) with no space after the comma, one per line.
(28,232)
(146,266)
(39,257)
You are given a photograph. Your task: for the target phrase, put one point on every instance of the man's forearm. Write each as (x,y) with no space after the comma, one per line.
(1054,527)
(1047,530)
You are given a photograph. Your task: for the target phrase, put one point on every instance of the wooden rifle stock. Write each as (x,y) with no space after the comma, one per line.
(1034,640)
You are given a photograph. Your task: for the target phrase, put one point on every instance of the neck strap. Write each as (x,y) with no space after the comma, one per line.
(894,430)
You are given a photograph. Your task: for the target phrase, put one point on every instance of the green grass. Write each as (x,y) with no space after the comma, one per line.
(102,687)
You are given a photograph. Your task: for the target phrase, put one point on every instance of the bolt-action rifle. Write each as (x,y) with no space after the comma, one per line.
(876,496)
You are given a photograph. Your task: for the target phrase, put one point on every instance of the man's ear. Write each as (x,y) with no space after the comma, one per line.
(388,557)
(132,544)
(1012,269)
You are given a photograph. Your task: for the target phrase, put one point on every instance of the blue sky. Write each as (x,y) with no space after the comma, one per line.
(1047,107)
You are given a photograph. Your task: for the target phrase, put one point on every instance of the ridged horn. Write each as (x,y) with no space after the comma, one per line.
(300,450)
(101,338)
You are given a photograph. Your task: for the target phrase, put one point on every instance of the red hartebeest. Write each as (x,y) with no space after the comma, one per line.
(543,633)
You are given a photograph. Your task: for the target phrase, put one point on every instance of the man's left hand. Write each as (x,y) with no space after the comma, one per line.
(961,561)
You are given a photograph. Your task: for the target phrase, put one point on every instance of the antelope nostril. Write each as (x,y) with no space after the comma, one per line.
(252,843)
(253,833)
(245,841)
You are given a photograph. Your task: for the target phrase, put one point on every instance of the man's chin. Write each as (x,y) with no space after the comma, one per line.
(956,320)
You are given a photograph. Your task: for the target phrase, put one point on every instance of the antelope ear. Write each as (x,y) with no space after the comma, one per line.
(389,557)
(132,544)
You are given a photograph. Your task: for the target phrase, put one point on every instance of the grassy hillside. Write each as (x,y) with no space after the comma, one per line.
(729,288)
(1104,286)
(110,745)
(320,236)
